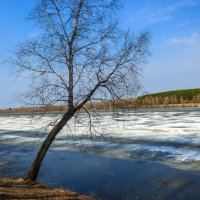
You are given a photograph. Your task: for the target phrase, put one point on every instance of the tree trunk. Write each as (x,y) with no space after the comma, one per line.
(34,170)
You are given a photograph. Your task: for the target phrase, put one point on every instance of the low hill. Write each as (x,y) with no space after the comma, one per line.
(171,97)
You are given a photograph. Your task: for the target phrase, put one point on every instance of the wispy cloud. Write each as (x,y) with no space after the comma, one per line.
(151,16)
(183,24)
(148,16)
(181,4)
(189,41)
(194,22)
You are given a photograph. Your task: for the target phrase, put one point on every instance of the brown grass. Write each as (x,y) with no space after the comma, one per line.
(20,189)
(146,102)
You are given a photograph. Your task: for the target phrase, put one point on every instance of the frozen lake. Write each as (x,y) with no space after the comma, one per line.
(162,134)
(167,139)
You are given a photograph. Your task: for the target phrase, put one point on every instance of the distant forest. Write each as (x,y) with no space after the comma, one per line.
(175,98)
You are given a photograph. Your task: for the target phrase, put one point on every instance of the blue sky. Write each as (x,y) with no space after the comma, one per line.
(175,46)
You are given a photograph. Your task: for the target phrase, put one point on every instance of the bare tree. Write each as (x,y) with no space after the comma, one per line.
(81,55)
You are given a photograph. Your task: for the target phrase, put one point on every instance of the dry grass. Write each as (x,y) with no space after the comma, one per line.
(20,189)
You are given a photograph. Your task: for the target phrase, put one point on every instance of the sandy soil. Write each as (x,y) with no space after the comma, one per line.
(20,189)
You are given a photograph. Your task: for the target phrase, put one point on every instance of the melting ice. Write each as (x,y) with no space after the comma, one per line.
(156,134)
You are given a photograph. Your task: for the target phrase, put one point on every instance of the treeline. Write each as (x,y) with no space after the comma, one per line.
(171,97)
(176,98)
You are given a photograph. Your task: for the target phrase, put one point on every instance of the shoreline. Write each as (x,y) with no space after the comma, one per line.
(136,106)
(186,105)
(20,189)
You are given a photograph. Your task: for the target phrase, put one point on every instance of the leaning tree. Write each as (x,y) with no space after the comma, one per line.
(80,55)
